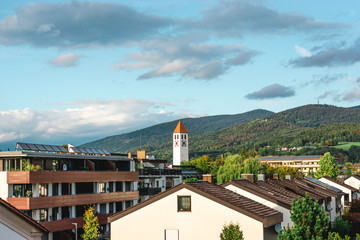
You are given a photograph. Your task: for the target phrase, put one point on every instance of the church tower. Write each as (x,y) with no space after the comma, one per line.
(180,144)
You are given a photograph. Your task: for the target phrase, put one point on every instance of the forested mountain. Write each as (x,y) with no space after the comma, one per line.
(306,125)
(162,133)
(315,115)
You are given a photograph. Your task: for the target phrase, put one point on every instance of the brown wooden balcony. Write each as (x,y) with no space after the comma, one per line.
(26,177)
(27,203)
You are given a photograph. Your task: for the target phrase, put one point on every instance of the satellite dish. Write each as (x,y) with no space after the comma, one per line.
(339,205)
(278,227)
(328,207)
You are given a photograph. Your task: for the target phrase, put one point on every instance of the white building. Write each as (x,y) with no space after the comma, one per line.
(267,195)
(16,225)
(180,144)
(353,181)
(194,210)
(351,192)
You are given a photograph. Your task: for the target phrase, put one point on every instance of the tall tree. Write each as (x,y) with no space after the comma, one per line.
(310,221)
(328,167)
(91,226)
(231,169)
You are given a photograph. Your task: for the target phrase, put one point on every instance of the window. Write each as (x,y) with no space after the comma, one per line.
(171,234)
(43,190)
(55,189)
(102,187)
(184,203)
(43,214)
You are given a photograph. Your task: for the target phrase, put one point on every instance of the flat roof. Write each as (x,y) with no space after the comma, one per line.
(62,156)
(290,157)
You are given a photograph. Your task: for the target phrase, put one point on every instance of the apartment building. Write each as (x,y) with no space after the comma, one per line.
(305,164)
(54,184)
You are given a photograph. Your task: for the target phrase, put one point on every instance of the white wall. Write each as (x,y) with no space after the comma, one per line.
(7,233)
(354,182)
(4,187)
(205,220)
(344,189)
(286,212)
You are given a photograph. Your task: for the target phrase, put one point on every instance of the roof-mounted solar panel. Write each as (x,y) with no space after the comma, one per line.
(24,146)
(56,148)
(94,150)
(100,151)
(32,147)
(82,150)
(76,150)
(88,150)
(106,152)
(48,148)
(63,149)
(40,147)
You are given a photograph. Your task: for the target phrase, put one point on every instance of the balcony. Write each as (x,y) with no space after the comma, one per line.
(27,203)
(149,191)
(147,172)
(27,177)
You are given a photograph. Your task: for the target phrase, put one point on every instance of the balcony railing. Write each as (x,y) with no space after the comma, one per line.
(26,177)
(159,172)
(149,191)
(27,203)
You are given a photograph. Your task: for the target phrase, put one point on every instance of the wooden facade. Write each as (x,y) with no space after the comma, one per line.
(27,177)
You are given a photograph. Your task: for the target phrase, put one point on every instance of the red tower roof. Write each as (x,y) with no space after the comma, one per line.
(180,128)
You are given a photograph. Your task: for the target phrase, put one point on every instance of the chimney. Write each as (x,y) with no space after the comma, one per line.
(261,177)
(141,154)
(129,155)
(341,178)
(249,177)
(288,177)
(276,175)
(208,178)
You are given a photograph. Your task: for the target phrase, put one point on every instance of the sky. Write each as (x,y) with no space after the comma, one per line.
(77,71)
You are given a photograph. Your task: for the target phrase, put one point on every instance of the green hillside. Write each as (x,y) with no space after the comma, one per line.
(161,133)
(316,115)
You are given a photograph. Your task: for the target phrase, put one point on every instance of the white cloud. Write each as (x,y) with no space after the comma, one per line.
(302,51)
(66,60)
(83,120)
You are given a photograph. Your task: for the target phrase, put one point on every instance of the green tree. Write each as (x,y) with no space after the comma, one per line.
(251,165)
(310,221)
(204,163)
(328,167)
(340,226)
(231,232)
(231,169)
(285,170)
(91,226)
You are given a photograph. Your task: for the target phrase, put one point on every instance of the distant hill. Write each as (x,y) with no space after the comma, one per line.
(295,127)
(159,134)
(316,115)
(356,106)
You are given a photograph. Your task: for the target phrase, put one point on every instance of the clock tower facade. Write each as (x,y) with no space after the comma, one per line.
(180,144)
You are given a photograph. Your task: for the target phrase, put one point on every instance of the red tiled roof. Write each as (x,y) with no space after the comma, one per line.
(180,128)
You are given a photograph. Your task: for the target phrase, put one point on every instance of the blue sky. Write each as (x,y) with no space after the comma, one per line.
(76,71)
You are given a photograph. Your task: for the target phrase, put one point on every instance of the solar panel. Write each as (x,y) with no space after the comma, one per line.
(40,147)
(106,152)
(94,150)
(32,147)
(56,148)
(82,150)
(24,146)
(63,149)
(100,151)
(88,150)
(75,149)
(48,148)
(323,184)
